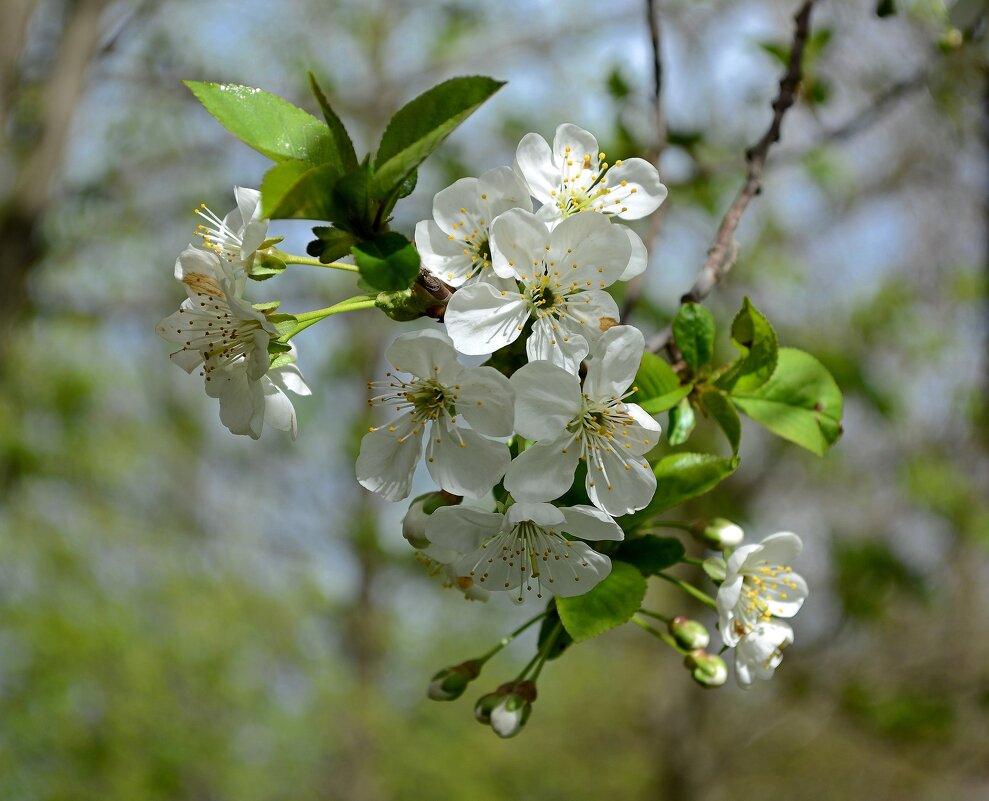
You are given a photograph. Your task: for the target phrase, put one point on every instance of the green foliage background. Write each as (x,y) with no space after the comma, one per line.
(184,615)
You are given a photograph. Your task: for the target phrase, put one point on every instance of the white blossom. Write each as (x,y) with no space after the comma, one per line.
(525,549)
(563,275)
(572,176)
(239,234)
(225,337)
(760,651)
(455,245)
(440,398)
(594,425)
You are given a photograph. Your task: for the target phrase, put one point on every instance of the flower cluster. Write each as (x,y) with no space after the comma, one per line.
(542,278)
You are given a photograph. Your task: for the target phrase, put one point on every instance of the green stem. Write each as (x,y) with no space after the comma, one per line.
(690,589)
(306,319)
(662,635)
(656,615)
(689,560)
(543,654)
(509,637)
(290,258)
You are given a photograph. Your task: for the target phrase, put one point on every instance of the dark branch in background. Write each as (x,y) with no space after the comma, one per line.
(656,223)
(723,252)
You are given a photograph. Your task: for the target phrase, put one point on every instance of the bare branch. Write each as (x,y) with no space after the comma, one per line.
(722,253)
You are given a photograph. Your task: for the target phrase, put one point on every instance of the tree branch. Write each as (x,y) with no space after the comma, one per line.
(723,251)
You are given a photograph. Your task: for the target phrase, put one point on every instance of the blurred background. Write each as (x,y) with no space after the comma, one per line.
(187,615)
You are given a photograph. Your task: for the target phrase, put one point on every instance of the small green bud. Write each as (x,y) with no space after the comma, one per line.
(409,304)
(719,534)
(450,683)
(689,634)
(486,703)
(509,716)
(414,522)
(951,39)
(706,669)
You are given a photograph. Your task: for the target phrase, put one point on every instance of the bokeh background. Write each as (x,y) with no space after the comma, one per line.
(186,615)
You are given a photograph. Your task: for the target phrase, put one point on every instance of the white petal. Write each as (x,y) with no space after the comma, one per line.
(600,250)
(442,255)
(534,161)
(581,143)
(463,462)
(547,398)
(784,594)
(592,524)
(642,435)
(487,401)
(455,208)
(776,549)
(727,599)
(542,514)
(289,378)
(504,190)
(624,485)
(388,458)
(518,239)
(557,343)
(595,311)
(641,176)
(198,262)
(258,360)
(617,356)
(544,471)
(427,353)
(760,652)
(481,319)
(579,570)
(461,528)
(638,258)
(241,401)
(252,228)
(278,409)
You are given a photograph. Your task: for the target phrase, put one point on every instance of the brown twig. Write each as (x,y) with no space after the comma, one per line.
(635,286)
(722,253)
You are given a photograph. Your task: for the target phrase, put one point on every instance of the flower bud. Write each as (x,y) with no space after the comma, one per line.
(706,669)
(511,713)
(719,534)
(414,522)
(689,634)
(486,703)
(450,683)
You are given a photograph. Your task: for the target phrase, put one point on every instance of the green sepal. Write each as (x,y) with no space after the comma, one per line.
(717,405)
(281,359)
(406,304)
(267,306)
(270,242)
(680,477)
(755,337)
(801,402)
(272,126)
(284,323)
(650,553)
(345,155)
(422,124)
(716,568)
(609,604)
(693,332)
(388,262)
(264,266)
(682,422)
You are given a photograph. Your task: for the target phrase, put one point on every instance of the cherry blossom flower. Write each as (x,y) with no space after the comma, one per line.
(760,585)
(441,396)
(227,339)
(572,176)
(594,425)
(563,274)
(237,236)
(455,245)
(760,651)
(525,549)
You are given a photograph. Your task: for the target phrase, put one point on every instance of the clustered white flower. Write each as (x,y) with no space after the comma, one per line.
(222,334)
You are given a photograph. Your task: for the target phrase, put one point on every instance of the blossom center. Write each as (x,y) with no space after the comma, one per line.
(425,398)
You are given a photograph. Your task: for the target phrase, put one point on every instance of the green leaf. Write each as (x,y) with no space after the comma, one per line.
(265,122)
(277,183)
(755,338)
(563,639)
(682,422)
(717,405)
(353,203)
(609,604)
(418,128)
(679,477)
(345,155)
(885,8)
(651,553)
(665,402)
(693,332)
(388,262)
(653,379)
(311,197)
(801,402)
(408,185)
(330,243)
(716,568)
